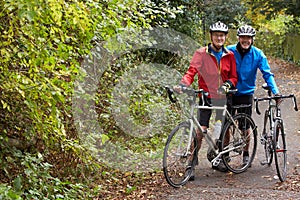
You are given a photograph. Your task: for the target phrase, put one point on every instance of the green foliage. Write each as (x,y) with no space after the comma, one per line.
(137,102)
(196,16)
(188,19)
(229,12)
(42,44)
(272,8)
(8,193)
(273,34)
(261,11)
(36,182)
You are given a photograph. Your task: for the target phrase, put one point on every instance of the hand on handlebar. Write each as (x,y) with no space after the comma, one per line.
(224,89)
(178,89)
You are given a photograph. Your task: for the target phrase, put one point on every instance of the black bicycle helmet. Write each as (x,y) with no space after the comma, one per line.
(218,27)
(246,30)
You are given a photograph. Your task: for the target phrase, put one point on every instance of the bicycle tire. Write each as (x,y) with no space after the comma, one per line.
(234,137)
(280,152)
(176,160)
(267,140)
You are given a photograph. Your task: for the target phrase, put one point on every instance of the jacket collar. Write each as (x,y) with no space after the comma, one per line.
(243,52)
(209,49)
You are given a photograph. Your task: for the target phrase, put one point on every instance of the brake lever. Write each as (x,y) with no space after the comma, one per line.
(256,106)
(170,93)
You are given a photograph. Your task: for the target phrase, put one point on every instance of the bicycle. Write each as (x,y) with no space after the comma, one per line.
(272,135)
(180,152)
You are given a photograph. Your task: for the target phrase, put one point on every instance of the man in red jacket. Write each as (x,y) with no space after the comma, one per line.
(216,68)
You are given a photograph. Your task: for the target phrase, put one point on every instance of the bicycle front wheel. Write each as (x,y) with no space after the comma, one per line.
(178,155)
(238,143)
(280,150)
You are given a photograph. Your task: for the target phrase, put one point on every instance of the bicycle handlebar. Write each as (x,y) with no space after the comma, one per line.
(256,100)
(186,90)
(191,92)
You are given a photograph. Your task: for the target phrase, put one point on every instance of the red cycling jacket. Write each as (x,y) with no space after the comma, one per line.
(211,75)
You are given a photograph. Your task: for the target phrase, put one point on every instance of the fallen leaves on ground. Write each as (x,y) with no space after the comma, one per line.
(152,185)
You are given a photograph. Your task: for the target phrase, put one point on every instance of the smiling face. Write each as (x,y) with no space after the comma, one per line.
(245,41)
(218,39)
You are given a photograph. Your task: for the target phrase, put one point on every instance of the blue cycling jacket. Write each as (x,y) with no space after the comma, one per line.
(247,70)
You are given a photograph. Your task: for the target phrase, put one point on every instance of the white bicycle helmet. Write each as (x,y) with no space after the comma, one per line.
(218,27)
(246,30)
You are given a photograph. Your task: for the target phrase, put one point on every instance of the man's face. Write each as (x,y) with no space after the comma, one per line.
(245,41)
(218,39)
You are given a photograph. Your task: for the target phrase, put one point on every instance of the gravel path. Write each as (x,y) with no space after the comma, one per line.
(258,182)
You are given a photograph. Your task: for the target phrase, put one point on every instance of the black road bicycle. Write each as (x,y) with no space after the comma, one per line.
(273,135)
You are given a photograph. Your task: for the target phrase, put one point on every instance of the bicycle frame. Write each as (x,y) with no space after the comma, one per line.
(233,147)
(208,138)
(194,122)
(274,140)
(273,112)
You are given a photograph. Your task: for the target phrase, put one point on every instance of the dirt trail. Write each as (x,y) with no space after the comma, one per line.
(257,182)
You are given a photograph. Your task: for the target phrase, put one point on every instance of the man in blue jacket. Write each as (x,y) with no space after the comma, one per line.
(248,59)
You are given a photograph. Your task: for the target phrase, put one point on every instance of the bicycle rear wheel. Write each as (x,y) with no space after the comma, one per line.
(267,141)
(178,159)
(239,139)
(280,150)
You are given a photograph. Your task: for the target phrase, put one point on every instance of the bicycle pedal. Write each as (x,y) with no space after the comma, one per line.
(262,141)
(263,162)
(216,162)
